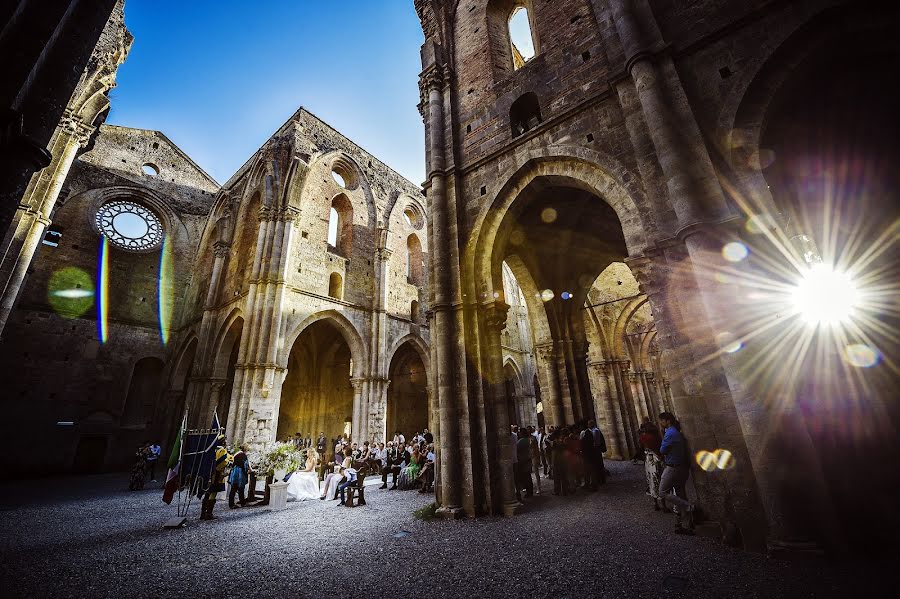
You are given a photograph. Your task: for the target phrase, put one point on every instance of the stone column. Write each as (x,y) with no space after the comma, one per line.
(431,84)
(546,367)
(33,214)
(640,400)
(493,320)
(359,424)
(605,403)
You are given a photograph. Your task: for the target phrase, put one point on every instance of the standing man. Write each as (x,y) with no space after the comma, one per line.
(152,457)
(321,444)
(522,467)
(429,438)
(675,474)
(599,450)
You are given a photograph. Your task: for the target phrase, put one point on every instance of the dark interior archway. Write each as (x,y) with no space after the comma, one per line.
(407,399)
(316,395)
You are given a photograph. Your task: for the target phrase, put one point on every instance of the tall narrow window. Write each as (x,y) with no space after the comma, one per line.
(333,219)
(336,286)
(414,311)
(521,40)
(415,266)
(340,226)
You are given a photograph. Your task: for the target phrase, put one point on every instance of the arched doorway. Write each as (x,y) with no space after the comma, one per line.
(225,367)
(407,397)
(317,395)
(513,394)
(557,236)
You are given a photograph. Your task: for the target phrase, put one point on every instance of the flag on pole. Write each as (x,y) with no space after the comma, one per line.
(172,477)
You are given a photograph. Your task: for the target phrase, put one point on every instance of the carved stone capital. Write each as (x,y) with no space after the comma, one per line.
(76,129)
(221,249)
(357,383)
(545,351)
(494,315)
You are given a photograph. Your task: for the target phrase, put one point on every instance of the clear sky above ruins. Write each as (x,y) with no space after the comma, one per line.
(218,77)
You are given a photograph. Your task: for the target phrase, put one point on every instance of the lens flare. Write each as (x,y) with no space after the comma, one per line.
(825,296)
(103,290)
(724,459)
(165,290)
(735,251)
(706,460)
(758,224)
(546,295)
(70,292)
(861,355)
(548,215)
(728,342)
(565,295)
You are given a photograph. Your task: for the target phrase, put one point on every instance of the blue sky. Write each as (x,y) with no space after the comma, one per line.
(218,77)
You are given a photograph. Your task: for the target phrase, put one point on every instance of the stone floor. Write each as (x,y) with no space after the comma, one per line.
(87,537)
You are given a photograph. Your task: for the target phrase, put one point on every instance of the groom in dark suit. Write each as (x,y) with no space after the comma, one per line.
(392,465)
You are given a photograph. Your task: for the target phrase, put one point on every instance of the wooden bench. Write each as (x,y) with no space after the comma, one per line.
(358,490)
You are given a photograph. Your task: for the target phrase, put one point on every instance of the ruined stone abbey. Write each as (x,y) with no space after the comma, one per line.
(563,261)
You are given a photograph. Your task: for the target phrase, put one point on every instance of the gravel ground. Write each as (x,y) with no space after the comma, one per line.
(86,537)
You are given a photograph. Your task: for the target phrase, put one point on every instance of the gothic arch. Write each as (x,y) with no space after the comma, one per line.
(342,324)
(518,380)
(618,340)
(229,333)
(578,167)
(418,344)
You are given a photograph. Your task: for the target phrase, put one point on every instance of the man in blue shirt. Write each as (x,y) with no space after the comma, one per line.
(676,472)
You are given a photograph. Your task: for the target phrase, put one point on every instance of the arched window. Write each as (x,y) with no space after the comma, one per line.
(513,36)
(414,311)
(340,226)
(336,286)
(524,114)
(521,38)
(415,266)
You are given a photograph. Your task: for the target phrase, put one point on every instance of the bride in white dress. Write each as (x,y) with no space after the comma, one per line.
(304,484)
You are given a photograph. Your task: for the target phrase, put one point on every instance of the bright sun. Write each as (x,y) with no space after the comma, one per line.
(825,296)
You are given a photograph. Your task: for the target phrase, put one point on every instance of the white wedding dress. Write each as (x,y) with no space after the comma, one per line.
(302,486)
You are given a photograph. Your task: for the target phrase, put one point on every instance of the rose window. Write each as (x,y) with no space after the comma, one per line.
(129,226)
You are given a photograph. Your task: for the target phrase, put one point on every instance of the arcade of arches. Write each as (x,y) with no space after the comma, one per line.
(682,178)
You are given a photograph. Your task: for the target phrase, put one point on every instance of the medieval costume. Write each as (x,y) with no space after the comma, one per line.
(217,480)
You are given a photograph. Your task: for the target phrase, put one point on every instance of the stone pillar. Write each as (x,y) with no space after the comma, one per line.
(46,50)
(549,376)
(33,214)
(641,405)
(431,85)
(221,250)
(565,385)
(359,423)
(606,404)
(499,443)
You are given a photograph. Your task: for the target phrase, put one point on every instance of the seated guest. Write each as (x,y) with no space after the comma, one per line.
(426,477)
(333,478)
(409,474)
(349,479)
(379,453)
(394,461)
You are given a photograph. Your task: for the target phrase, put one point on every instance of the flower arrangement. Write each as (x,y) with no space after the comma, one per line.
(279,456)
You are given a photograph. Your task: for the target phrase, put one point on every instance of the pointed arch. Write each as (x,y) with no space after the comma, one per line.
(344,325)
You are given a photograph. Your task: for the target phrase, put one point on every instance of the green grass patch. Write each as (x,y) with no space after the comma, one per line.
(426,513)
